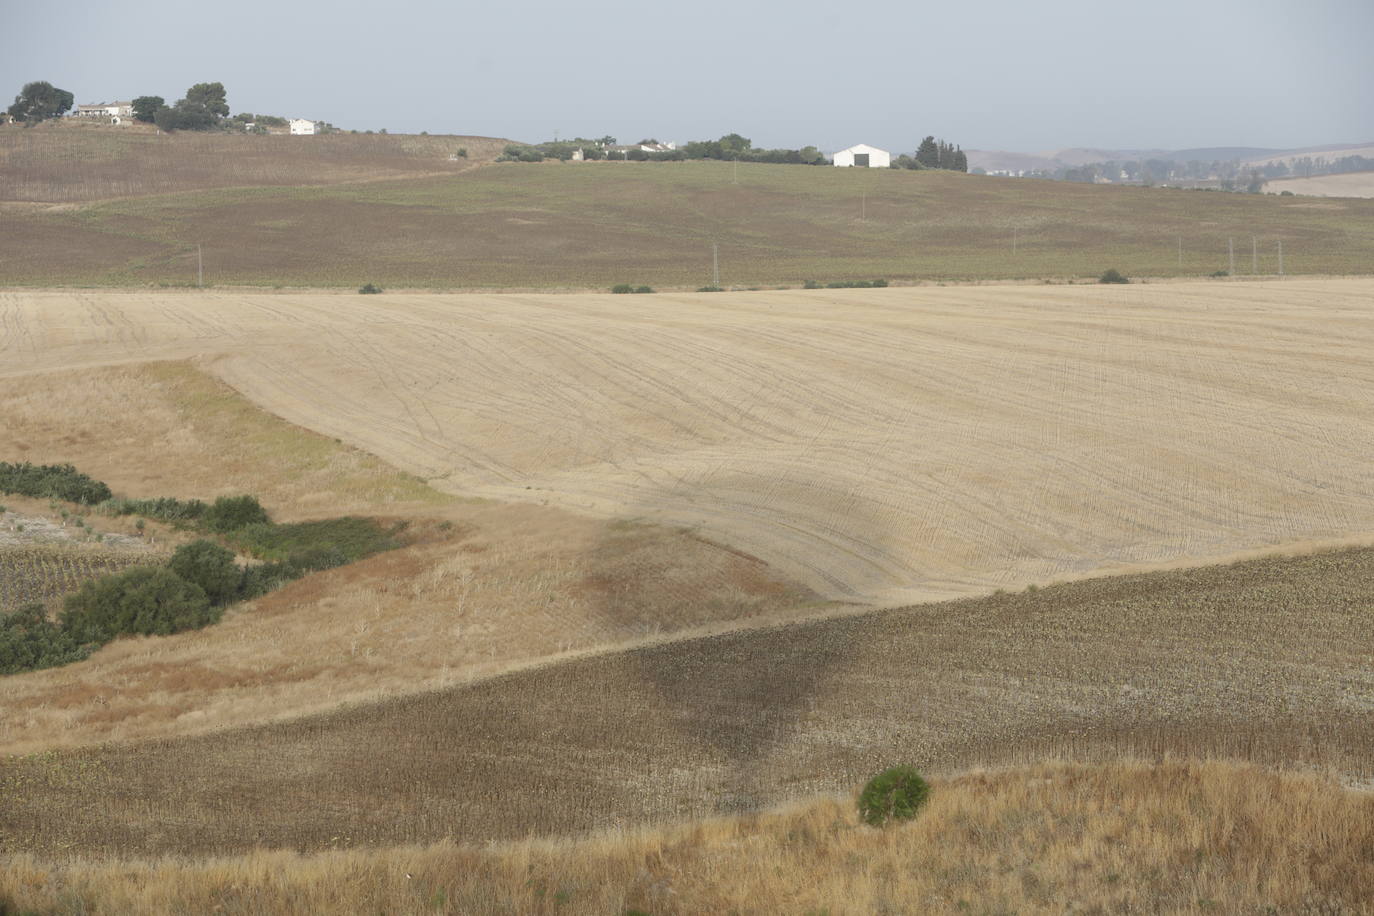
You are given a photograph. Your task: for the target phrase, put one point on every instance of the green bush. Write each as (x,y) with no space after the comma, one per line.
(1112,276)
(1220,273)
(711,289)
(29,640)
(230,513)
(143,600)
(622,288)
(210,566)
(164,508)
(51,481)
(369,289)
(811,284)
(644,289)
(895,793)
(316,545)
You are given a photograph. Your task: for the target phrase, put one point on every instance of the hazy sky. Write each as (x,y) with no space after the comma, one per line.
(995,75)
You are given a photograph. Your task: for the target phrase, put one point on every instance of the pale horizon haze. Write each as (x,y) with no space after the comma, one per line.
(1003,76)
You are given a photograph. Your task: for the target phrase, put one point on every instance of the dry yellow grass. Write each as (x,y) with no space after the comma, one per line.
(1175,837)
(1351,184)
(885,445)
(482,587)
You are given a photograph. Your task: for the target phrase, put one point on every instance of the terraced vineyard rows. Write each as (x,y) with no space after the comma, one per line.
(42,573)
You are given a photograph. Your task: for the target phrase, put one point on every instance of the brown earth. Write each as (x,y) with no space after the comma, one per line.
(1267,660)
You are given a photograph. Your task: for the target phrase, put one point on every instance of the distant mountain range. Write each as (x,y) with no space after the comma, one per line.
(998,160)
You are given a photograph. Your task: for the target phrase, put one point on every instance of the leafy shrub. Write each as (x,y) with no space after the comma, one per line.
(210,566)
(316,545)
(29,641)
(711,289)
(164,508)
(1220,273)
(144,600)
(811,284)
(1112,276)
(230,513)
(895,793)
(644,289)
(622,288)
(53,481)
(879,284)
(369,289)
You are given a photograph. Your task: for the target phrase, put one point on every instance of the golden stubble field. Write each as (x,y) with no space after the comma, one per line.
(881,446)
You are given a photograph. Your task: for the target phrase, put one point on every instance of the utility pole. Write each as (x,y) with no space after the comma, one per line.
(1280,257)
(1231,249)
(1254,256)
(715,266)
(200,268)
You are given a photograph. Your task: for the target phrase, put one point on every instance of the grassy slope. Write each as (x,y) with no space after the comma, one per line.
(1266,660)
(478,588)
(1176,837)
(594,224)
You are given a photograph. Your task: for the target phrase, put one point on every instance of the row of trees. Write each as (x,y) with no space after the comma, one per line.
(731,147)
(934,154)
(204,108)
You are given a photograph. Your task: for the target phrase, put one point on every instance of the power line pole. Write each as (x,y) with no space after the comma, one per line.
(200,268)
(1254,257)
(1280,257)
(1231,249)
(715,266)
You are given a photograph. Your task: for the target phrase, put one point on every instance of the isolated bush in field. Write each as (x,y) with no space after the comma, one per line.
(622,288)
(1220,273)
(210,566)
(144,600)
(811,284)
(710,289)
(29,640)
(897,793)
(369,289)
(230,513)
(644,289)
(1112,276)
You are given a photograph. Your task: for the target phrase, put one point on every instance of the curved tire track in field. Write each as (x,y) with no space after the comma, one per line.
(884,445)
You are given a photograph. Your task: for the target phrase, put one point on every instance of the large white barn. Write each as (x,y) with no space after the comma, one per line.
(864,156)
(300,127)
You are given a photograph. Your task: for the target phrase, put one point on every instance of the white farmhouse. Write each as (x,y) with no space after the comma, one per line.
(110,112)
(863,156)
(300,127)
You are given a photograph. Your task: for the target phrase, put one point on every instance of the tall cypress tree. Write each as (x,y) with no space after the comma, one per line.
(928,153)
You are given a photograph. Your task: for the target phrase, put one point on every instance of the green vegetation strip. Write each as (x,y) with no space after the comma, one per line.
(189,591)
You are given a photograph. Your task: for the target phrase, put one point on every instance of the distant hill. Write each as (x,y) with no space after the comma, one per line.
(1002,160)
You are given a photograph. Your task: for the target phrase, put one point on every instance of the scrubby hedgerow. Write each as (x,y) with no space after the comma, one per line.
(51,481)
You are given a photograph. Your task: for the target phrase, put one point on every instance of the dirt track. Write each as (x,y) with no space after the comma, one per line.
(887,445)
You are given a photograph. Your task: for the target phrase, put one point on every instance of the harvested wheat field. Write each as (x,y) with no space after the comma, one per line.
(879,446)
(1120,838)
(476,588)
(1350,184)
(1267,660)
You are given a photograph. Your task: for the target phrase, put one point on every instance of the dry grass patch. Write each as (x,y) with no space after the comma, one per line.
(1267,660)
(1176,837)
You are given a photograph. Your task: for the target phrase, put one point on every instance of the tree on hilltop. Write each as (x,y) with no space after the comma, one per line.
(204,108)
(39,101)
(928,153)
(146,107)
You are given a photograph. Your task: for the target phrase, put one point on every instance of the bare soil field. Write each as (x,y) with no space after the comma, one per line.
(556,226)
(1267,660)
(882,446)
(1350,184)
(1130,837)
